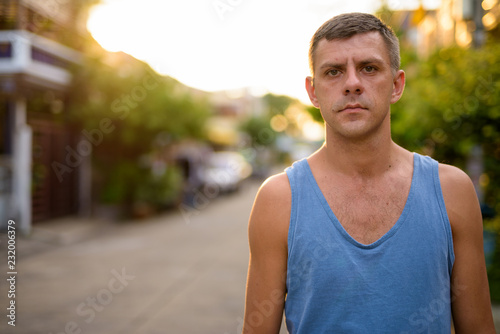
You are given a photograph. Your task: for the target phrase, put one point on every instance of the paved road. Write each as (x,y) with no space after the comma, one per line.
(183,272)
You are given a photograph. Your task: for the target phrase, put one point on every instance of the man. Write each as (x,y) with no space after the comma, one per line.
(364,236)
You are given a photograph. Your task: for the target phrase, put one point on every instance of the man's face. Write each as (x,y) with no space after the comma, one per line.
(354,84)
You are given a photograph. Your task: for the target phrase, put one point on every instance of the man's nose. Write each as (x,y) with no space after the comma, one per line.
(352,83)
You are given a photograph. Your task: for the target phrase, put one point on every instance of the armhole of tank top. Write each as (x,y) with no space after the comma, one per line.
(444,214)
(292,174)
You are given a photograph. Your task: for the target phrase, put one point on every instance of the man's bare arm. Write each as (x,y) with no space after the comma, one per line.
(471,306)
(267,234)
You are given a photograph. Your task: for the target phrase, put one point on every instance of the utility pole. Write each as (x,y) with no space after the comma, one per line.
(478,37)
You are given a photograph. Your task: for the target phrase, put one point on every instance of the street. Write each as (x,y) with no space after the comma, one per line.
(181,272)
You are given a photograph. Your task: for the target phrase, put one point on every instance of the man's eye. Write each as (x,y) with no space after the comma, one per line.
(369,69)
(332,72)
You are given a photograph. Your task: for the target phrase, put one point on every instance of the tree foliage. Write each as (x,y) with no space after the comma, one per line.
(258,128)
(450,106)
(132,116)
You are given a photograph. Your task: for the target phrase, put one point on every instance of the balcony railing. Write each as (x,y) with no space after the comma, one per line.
(37,58)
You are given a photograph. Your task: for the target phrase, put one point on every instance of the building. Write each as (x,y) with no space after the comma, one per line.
(40,41)
(230,109)
(461,22)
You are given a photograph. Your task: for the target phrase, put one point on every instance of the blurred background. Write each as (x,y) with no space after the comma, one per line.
(129,111)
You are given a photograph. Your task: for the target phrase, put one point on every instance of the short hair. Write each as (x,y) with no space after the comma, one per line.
(347,25)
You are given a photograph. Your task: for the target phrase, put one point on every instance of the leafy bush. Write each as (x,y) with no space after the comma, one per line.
(160,190)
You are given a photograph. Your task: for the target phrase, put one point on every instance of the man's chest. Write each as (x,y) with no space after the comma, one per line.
(367,213)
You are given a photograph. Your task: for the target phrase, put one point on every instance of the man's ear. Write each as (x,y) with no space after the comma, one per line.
(398,86)
(312,91)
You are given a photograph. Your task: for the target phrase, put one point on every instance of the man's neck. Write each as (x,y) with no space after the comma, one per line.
(364,158)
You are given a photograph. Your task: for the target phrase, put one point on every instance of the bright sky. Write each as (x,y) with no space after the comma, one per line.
(224,44)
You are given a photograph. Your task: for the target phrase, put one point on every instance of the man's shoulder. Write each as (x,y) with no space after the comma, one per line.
(453,178)
(271,212)
(459,195)
(275,188)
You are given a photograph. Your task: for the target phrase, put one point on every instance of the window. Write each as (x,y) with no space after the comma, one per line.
(5,50)
(47,58)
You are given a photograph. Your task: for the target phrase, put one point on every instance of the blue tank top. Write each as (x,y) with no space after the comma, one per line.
(398,284)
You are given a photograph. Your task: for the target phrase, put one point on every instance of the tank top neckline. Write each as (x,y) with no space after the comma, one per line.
(399,222)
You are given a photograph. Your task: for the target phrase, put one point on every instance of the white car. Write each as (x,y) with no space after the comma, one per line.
(224,171)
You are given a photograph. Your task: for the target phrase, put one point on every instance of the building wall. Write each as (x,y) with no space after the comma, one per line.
(460,22)
(40,41)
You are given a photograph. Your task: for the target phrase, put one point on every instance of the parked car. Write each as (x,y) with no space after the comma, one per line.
(224,171)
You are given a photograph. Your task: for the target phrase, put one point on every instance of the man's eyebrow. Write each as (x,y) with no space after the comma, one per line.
(371,61)
(332,65)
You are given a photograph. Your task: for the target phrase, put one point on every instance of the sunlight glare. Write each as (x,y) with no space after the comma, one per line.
(260,45)
(103,29)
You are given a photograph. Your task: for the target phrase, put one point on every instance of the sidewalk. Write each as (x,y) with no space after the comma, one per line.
(61,232)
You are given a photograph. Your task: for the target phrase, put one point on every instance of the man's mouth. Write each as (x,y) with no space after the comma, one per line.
(353,107)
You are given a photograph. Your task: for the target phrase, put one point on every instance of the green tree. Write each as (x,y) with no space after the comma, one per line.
(133,116)
(451,105)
